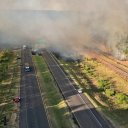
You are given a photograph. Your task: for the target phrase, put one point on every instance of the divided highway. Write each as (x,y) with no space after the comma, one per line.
(32,112)
(82,109)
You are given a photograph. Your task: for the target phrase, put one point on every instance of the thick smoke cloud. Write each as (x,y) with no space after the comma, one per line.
(67,26)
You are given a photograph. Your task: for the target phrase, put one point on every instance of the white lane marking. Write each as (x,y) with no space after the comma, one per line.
(91,111)
(78,94)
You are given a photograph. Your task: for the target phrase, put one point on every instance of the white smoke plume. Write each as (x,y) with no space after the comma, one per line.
(67,26)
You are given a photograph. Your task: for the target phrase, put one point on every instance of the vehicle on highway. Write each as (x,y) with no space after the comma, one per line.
(36,52)
(80,90)
(24,46)
(16,99)
(27,67)
(33,52)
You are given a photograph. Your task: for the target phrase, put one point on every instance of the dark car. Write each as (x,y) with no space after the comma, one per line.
(16,99)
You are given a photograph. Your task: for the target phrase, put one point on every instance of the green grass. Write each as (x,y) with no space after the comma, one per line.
(57,109)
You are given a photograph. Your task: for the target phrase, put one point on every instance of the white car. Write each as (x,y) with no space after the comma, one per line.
(80,91)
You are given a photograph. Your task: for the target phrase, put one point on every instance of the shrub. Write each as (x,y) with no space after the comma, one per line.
(109,92)
(121,98)
(104,84)
(6,56)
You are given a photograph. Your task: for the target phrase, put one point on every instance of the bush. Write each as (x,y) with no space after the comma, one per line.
(103,84)
(109,92)
(6,56)
(122,98)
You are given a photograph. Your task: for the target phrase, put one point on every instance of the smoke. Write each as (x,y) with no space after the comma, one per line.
(67,26)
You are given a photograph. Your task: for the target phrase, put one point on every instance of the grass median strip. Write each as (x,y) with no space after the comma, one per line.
(56,106)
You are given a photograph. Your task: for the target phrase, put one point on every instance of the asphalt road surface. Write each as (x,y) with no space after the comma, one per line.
(81,107)
(32,112)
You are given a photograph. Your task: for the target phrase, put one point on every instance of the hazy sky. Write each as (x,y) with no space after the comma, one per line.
(63,24)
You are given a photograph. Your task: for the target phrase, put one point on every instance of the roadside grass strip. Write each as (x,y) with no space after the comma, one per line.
(58,113)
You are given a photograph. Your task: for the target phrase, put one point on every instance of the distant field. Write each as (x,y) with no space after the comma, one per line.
(56,106)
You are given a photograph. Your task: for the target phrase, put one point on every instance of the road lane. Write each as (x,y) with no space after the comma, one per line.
(32,112)
(83,113)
